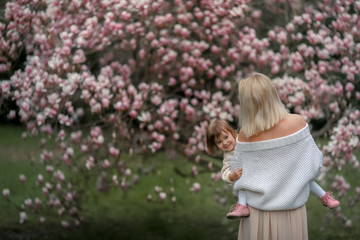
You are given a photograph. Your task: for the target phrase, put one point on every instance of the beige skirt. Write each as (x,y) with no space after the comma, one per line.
(274,225)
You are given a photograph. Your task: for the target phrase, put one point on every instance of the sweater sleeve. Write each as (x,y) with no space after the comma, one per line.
(225,170)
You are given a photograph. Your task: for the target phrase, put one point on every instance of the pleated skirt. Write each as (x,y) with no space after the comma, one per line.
(274,225)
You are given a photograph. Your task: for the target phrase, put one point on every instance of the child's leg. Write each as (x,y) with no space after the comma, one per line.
(242,197)
(315,188)
(326,198)
(241,209)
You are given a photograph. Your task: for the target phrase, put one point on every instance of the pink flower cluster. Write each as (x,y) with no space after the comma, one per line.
(344,140)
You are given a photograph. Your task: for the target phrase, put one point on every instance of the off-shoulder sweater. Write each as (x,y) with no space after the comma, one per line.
(276,172)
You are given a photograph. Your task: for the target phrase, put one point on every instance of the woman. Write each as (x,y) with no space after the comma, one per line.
(279,158)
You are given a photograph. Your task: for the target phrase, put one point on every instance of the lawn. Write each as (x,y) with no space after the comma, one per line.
(128,215)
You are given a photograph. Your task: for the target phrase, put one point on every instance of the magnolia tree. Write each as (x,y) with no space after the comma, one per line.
(106,79)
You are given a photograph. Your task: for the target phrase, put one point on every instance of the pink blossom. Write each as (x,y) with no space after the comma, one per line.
(215,176)
(123,184)
(6,193)
(272,35)
(218,83)
(25,106)
(298,20)
(348,224)
(45,191)
(196,187)
(227,86)
(133,114)
(150,36)
(115,180)
(215,49)
(84,148)
(40,178)
(49,169)
(125,16)
(159,21)
(290,27)
(162,196)
(69,197)
(149,198)
(349,87)
(334,107)
(161,138)
(190,111)
(59,175)
(172,81)
(22,178)
(95,132)
(156,100)
(282,36)
(176,136)
(194,171)
(274,68)
(114,151)
(142,53)
(28,202)
(105,103)
(23,217)
(65,224)
(70,152)
(158,189)
(73,211)
(106,164)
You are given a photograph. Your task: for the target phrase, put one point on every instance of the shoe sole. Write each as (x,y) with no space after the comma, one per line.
(234,217)
(330,207)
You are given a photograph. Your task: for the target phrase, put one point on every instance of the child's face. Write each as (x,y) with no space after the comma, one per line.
(225,142)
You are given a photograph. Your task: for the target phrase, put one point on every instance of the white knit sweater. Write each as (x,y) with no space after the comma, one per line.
(276,172)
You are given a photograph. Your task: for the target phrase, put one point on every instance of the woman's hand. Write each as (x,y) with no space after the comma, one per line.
(235,175)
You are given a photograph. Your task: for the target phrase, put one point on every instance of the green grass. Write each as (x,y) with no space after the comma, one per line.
(128,215)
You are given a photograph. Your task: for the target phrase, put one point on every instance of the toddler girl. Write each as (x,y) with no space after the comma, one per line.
(220,135)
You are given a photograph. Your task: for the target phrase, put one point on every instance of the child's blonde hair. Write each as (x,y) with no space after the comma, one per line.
(260,105)
(215,129)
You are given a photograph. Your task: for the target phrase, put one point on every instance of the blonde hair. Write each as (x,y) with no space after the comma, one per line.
(215,129)
(260,105)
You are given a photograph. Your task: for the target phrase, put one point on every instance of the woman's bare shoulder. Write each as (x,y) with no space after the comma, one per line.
(293,123)
(287,126)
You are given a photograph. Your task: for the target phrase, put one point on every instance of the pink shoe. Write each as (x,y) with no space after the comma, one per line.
(238,211)
(328,201)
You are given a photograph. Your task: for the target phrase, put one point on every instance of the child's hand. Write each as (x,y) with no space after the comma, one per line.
(235,175)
